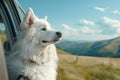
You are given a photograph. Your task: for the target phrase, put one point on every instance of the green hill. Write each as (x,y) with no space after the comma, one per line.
(104,48)
(87,68)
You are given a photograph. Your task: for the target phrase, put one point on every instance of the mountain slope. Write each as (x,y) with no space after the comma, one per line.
(104,48)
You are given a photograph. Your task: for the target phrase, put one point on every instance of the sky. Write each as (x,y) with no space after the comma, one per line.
(79,19)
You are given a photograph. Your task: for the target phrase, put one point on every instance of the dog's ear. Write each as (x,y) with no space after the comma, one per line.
(28,19)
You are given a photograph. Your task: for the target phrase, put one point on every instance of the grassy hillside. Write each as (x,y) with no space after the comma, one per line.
(3,36)
(62,52)
(87,68)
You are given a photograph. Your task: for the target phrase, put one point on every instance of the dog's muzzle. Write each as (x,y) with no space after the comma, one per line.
(59,35)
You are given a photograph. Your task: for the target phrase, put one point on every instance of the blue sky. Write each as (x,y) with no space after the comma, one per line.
(80,19)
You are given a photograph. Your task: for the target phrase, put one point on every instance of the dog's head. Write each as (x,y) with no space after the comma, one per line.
(38,31)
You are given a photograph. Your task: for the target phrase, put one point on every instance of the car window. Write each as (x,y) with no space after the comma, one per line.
(3,42)
(20,10)
(5,31)
(90,45)
(2,31)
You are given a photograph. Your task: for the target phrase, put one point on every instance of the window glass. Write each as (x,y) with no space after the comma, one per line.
(2,31)
(3,39)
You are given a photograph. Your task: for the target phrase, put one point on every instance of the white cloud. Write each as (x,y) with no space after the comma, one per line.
(87,30)
(76,32)
(95,37)
(100,9)
(83,33)
(106,28)
(109,26)
(118,31)
(86,34)
(84,21)
(112,22)
(69,31)
(69,28)
(116,12)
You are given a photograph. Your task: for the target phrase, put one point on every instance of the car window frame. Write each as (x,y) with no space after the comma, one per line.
(11,12)
(7,22)
(12,26)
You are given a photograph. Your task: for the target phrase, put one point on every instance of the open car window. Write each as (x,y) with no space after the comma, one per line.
(3,35)
(3,31)
(3,42)
(90,46)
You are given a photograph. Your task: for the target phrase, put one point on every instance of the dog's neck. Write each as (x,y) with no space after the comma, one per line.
(35,54)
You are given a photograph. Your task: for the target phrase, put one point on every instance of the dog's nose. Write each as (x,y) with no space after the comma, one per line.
(59,34)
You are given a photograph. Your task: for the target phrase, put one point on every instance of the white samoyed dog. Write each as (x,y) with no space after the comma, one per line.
(34,55)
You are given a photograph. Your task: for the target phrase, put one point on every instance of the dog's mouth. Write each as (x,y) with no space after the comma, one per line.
(56,40)
(44,41)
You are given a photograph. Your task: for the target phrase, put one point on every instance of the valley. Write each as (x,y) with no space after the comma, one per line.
(104,48)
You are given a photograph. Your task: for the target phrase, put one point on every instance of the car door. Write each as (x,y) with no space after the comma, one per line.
(11,15)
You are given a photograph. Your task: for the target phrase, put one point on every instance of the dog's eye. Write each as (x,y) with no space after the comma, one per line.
(44,29)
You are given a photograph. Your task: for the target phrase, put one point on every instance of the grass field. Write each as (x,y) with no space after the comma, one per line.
(87,68)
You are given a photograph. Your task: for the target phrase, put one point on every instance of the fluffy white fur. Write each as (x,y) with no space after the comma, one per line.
(34,55)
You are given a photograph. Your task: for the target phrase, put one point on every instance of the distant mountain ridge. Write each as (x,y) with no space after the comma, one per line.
(104,48)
